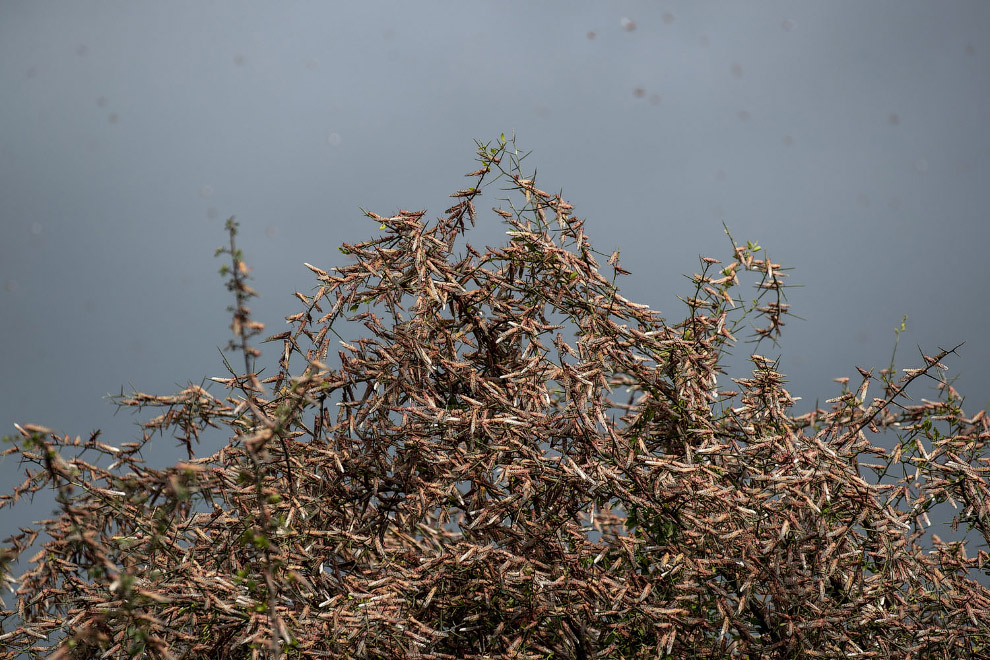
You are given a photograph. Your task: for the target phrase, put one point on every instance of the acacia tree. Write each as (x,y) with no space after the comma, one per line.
(507,458)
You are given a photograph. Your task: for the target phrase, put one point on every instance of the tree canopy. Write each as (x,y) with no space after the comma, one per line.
(468,454)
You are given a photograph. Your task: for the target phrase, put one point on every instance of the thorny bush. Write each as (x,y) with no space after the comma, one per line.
(510,459)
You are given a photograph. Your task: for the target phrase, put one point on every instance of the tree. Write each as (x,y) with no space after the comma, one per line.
(510,459)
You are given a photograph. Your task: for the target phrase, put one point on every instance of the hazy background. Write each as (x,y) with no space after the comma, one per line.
(848,138)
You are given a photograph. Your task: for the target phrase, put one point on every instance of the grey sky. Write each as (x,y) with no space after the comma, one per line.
(849,138)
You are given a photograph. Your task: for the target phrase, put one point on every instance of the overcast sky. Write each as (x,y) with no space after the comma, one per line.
(848,138)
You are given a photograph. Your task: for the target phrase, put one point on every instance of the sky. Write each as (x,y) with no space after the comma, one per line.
(849,139)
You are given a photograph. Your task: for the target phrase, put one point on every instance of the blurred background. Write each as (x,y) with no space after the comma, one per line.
(849,139)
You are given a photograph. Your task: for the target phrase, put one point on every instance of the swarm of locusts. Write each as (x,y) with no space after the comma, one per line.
(470,454)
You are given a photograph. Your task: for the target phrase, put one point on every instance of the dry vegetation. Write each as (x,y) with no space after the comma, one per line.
(506,458)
